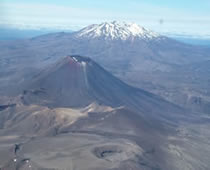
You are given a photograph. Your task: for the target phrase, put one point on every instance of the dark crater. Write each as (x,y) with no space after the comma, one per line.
(106,151)
(81,58)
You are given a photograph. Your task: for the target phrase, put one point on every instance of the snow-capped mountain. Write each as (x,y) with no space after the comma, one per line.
(116,30)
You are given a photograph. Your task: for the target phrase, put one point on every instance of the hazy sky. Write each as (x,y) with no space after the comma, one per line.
(178,16)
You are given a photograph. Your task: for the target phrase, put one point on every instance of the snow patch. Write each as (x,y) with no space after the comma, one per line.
(116,30)
(85,72)
(75,59)
(83,63)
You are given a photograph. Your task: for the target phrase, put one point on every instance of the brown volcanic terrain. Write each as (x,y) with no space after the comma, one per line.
(76,115)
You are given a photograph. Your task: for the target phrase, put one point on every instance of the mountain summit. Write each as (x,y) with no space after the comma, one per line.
(76,81)
(116,30)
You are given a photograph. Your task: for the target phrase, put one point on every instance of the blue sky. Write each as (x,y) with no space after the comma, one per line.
(179,16)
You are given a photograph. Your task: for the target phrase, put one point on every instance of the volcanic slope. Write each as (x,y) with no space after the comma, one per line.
(77,81)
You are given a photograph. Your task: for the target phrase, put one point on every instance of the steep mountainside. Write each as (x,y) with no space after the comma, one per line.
(76,81)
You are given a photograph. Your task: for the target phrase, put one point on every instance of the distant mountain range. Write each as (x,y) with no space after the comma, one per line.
(193,41)
(7,33)
(18,34)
